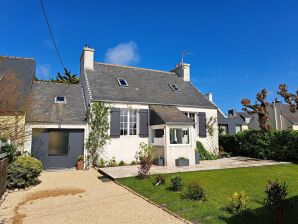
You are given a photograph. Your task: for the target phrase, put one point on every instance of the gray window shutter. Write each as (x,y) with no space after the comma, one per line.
(115,123)
(143,117)
(202,125)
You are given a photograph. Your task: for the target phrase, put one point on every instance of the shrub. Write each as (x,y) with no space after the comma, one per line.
(23,172)
(238,202)
(133,163)
(204,154)
(9,149)
(176,183)
(159,180)
(195,192)
(145,158)
(277,145)
(101,162)
(276,194)
(122,163)
(112,162)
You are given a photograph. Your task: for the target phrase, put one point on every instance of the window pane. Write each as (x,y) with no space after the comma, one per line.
(237,128)
(179,136)
(58,143)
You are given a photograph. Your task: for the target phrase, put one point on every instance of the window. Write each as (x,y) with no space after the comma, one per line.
(174,87)
(223,129)
(128,122)
(58,143)
(122,82)
(238,128)
(179,136)
(191,116)
(60,99)
(158,133)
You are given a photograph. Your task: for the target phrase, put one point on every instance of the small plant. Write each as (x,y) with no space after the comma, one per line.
(204,154)
(122,163)
(145,158)
(159,180)
(176,183)
(101,162)
(112,162)
(23,172)
(238,202)
(276,194)
(80,158)
(9,149)
(195,192)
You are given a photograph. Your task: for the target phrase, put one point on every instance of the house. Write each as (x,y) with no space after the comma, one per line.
(280,118)
(16,75)
(234,122)
(162,108)
(156,107)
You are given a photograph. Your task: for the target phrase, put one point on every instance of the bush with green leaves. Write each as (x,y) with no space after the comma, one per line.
(272,144)
(238,202)
(10,149)
(176,183)
(112,162)
(194,192)
(122,163)
(144,158)
(23,172)
(204,154)
(276,194)
(159,180)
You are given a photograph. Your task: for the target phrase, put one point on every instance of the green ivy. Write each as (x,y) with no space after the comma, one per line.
(98,118)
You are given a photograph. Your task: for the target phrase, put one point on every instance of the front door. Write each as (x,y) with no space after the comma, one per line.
(57,148)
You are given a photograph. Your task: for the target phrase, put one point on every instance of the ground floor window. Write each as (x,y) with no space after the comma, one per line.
(179,136)
(58,143)
(128,122)
(223,129)
(238,128)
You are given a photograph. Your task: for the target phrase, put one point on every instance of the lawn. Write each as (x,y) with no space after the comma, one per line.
(219,184)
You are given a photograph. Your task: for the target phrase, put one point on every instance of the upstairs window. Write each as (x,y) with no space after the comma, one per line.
(60,99)
(122,82)
(174,87)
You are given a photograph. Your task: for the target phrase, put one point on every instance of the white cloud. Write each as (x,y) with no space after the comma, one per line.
(123,54)
(43,72)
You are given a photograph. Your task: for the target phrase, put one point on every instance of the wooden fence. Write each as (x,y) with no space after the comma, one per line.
(3,172)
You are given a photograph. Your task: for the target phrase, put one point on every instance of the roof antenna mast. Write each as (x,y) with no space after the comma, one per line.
(183,54)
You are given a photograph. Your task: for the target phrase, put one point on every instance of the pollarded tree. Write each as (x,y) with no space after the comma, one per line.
(260,108)
(290,98)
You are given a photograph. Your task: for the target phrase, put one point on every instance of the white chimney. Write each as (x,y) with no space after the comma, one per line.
(87,58)
(209,97)
(183,71)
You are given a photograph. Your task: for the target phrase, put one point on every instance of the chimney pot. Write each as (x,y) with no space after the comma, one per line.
(183,71)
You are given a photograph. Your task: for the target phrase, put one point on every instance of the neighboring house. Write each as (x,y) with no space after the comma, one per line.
(156,107)
(56,124)
(16,75)
(234,122)
(280,117)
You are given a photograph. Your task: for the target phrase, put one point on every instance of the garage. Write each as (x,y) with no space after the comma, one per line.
(57,148)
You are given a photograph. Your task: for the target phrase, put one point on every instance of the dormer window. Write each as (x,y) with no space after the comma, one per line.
(174,87)
(60,99)
(122,82)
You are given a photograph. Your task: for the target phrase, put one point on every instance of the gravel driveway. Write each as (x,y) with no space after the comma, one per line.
(79,197)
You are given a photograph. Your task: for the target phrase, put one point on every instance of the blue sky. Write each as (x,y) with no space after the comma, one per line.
(238,46)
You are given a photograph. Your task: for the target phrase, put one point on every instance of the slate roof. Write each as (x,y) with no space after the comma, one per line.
(285,111)
(42,106)
(16,75)
(160,114)
(145,86)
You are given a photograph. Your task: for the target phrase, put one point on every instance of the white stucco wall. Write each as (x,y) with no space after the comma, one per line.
(295,127)
(211,141)
(125,147)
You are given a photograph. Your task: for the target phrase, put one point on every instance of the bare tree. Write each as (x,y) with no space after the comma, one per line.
(259,108)
(290,98)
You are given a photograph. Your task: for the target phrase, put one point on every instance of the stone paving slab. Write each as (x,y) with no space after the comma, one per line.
(225,163)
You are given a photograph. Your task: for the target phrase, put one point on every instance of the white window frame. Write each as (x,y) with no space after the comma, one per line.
(58,101)
(173,88)
(189,136)
(127,124)
(119,82)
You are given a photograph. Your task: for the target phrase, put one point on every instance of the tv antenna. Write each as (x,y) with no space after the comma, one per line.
(183,54)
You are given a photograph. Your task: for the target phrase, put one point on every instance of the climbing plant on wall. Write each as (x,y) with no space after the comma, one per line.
(98,118)
(210,125)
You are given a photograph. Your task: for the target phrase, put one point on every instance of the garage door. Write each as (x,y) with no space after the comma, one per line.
(57,148)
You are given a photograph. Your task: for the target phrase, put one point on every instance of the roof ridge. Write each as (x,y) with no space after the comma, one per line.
(134,67)
(15,57)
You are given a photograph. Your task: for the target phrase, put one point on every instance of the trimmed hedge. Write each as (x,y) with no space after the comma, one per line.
(277,145)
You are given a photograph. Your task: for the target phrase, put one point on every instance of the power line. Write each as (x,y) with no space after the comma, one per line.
(51,33)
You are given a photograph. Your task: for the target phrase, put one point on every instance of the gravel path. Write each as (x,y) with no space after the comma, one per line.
(79,197)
